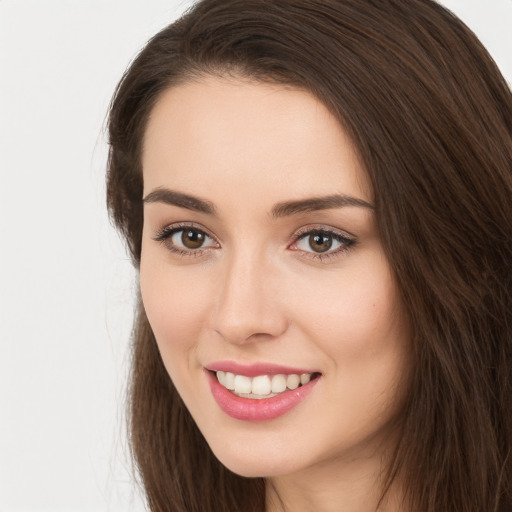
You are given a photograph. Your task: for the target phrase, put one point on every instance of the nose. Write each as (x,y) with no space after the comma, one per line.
(248,306)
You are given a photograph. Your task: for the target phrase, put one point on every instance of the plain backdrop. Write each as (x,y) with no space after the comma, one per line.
(66,284)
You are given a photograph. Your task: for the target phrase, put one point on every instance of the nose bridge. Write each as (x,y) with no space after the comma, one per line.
(247,303)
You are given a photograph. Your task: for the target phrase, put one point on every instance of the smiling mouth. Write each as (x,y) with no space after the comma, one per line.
(262,386)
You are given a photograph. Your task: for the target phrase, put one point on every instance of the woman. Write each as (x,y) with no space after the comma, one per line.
(317,195)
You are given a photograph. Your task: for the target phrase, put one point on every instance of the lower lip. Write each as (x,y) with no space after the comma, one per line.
(253,409)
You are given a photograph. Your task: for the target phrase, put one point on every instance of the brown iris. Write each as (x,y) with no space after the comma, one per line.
(192,239)
(320,242)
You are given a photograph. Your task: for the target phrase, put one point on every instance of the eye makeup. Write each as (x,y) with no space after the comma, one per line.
(186,239)
(321,243)
(315,242)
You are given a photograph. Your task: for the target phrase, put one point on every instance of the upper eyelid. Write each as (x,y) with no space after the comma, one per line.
(304,230)
(346,240)
(165,232)
(179,226)
(322,228)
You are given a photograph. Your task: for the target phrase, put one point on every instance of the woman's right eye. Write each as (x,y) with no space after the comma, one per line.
(185,240)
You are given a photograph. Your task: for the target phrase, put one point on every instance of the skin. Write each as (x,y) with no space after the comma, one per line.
(257,292)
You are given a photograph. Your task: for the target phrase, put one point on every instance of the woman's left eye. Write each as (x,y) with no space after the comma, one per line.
(322,243)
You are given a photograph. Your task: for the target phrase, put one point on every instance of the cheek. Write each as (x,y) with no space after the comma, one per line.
(174,304)
(352,312)
(358,323)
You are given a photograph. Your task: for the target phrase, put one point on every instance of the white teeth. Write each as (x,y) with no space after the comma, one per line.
(262,386)
(221,376)
(292,381)
(243,384)
(278,383)
(305,378)
(229,381)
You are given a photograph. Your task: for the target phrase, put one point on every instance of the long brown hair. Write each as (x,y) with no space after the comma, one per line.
(431,117)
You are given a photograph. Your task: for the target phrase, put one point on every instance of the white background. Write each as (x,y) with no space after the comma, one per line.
(66,285)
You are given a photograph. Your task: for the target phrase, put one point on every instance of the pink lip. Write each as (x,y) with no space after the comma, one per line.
(249,409)
(253,370)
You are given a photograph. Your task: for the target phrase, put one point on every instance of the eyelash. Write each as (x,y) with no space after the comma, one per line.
(346,243)
(165,234)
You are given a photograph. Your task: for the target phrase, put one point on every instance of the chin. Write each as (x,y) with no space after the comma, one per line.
(253,461)
(256,468)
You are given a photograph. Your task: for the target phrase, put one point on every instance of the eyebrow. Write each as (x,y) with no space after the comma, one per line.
(313,204)
(283,209)
(171,197)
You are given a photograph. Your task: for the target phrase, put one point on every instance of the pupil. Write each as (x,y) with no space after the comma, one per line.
(192,239)
(320,243)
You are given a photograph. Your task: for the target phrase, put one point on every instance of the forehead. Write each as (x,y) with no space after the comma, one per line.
(248,134)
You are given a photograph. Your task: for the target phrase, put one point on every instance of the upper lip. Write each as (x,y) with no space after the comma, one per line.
(255,369)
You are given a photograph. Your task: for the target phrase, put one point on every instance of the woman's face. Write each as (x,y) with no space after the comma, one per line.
(262,268)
